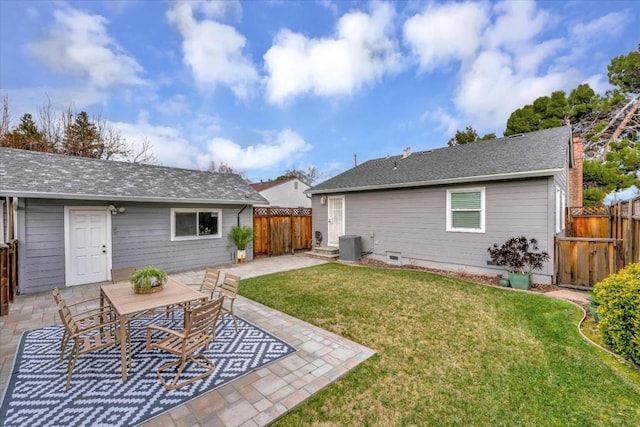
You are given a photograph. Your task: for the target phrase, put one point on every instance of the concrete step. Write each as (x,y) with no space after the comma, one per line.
(328,253)
(330,250)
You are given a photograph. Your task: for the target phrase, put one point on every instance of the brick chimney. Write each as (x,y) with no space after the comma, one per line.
(575,173)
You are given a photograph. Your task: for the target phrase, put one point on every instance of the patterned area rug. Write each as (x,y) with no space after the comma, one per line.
(35,394)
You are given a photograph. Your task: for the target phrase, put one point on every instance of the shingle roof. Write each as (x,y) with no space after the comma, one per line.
(261,186)
(540,153)
(43,175)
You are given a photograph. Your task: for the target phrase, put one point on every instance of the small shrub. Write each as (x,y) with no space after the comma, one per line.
(618,298)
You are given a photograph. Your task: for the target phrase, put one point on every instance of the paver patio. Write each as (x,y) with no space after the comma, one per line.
(256,399)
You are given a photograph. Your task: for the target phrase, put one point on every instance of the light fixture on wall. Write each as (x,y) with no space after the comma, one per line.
(323,199)
(116,210)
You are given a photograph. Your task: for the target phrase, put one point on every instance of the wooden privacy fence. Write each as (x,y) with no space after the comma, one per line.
(583,262)
(625,225)
(602,240)
(8,275)
(281,230)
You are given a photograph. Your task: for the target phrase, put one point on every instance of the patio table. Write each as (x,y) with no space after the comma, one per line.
(126,302)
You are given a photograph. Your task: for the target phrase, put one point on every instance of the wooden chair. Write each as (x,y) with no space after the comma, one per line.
(88,333)
(228,289)
(84,319)
(187,342)
(210,281)
(121,274)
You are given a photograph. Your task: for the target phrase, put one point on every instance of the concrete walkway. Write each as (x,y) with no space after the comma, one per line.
(255,399)
(579,297)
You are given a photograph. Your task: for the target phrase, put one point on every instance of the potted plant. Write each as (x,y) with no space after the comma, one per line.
(519,256)
(241,236)
(148,279)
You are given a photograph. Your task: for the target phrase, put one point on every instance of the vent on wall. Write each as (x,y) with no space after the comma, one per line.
(394,258)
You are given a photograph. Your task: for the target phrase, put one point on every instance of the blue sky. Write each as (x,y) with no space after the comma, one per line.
(268,85)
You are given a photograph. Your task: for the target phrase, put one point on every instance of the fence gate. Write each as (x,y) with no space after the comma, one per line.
(281,230)
(583,262)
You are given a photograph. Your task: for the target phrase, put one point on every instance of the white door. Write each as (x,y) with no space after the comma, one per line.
(336,219)
(87,251)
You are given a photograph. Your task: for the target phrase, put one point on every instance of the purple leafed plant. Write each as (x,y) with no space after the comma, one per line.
(518,255)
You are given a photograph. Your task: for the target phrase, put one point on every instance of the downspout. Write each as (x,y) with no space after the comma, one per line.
(239,213)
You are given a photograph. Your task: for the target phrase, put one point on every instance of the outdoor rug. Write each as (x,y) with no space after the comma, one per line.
(35,394)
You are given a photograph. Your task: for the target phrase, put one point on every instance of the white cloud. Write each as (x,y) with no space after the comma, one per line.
(528,60)
(284,148)
(212,50)
(492,89)
(78,44)
(516,25)
(505,60)
(176,105)
(168,144)
(362,51)
(445,33)
(445,122)
(609,24)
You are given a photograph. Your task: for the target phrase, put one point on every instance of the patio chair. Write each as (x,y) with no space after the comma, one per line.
(187,342)
(210,281)
(228,289)
(84,319)
(121,274)
(88,332)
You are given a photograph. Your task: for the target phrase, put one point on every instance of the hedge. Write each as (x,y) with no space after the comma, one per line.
(618,298)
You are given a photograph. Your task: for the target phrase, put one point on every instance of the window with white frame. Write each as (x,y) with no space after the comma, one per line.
(190,224)
(466,210)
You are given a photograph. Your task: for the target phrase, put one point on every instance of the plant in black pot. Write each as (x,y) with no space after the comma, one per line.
(519,256)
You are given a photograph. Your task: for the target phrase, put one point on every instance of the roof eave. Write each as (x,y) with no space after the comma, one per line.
(459,180)
(114,198)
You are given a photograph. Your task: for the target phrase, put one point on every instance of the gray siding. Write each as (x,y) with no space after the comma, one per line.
(413,222)
(140,236)
(320,215)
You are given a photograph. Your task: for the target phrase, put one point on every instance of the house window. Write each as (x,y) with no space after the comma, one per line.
(295,185)
(189,224)
(466,210)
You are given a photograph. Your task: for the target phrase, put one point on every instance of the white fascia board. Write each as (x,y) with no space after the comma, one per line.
(73,196)
(461,180)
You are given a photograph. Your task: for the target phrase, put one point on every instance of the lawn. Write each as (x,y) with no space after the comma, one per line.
(450,352)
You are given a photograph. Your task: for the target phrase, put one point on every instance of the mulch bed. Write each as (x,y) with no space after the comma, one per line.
(492,280)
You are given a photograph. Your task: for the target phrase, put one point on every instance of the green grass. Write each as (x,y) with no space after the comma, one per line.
(450,352)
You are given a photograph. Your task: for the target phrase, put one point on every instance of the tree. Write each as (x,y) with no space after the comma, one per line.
(307,176)
(26,136)
(609,125)
(545,112)
(227,169)
(624,72)
(82,138)
(71,134)
(468,135)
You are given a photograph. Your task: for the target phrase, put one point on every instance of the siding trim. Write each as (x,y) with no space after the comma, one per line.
(459,180)
(75,196)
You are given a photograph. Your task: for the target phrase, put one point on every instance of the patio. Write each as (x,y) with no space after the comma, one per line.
(256,399)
